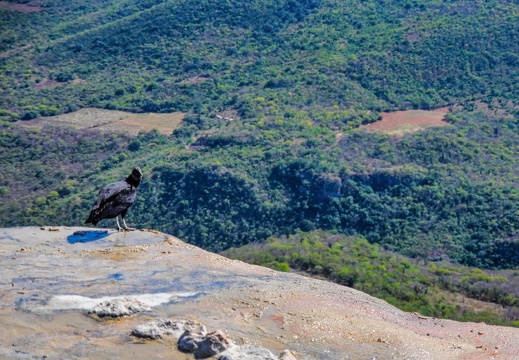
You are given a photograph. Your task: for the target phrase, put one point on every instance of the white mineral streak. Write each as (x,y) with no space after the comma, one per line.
(70,302)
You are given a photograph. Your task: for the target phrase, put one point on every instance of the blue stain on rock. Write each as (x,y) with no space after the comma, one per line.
(83,236)
(116,276)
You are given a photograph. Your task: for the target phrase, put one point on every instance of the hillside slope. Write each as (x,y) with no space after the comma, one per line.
(207,56)
(274,93)
(448,193)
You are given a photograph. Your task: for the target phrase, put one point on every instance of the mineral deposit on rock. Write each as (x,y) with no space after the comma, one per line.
(119,307)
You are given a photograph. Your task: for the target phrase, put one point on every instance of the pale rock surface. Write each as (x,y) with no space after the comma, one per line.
(50,279)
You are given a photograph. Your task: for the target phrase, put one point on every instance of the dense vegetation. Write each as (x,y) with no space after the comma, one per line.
(433,289)
(445,193)
(208,56)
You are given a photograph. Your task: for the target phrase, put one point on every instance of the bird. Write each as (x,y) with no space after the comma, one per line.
(115,199)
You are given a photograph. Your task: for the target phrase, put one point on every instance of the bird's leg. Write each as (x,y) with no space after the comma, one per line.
(119,228)
(126,226)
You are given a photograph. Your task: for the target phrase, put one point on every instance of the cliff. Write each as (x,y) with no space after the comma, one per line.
(52,279)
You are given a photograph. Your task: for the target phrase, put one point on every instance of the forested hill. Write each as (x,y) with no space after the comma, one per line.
(449,193)
(297,78)
(206,56)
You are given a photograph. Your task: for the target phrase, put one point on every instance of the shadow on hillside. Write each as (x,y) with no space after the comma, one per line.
(84,236)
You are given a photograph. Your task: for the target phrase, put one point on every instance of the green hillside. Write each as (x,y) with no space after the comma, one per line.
(207,56)
(444,193)
(298,77)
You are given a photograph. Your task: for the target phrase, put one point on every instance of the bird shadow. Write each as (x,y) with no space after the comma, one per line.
(84,236)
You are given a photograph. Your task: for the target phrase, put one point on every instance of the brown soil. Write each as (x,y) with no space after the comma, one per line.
(47,84)
(399,122)
(164,123)
(52,84)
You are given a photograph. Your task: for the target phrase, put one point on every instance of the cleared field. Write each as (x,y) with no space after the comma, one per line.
(111,120)
(164,123)
(399,122)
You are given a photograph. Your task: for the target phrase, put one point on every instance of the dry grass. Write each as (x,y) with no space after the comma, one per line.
(399,122)
(112,120)
(164,123)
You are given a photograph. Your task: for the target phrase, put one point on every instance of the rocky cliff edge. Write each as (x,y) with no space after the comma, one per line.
(85,293)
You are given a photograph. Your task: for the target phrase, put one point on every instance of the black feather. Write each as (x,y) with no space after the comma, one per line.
(115,198)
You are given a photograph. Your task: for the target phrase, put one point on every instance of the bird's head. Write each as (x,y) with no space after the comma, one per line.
(136,174)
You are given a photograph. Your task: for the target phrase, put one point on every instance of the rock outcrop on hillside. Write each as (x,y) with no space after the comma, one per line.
(82,293)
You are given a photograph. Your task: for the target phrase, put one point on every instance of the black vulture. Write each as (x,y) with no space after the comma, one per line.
(115,199)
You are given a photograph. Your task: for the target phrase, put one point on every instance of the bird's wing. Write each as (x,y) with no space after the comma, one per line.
(109,191)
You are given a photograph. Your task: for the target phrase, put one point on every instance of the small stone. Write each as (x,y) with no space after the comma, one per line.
(50,228)
(189,342)
(147,331)
(212,344)
(204,346)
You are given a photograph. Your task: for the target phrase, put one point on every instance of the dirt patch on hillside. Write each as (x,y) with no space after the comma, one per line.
(194,80)
(52,84)
(399,122)
(111,120)
(164,123)
(30,7)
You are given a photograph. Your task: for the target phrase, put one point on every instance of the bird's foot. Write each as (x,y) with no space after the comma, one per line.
(126,228)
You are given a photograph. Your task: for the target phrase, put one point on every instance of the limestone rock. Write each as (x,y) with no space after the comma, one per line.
(119,307)
(189,342)
(204,346)
(248,352)
(165,327)
(212,344)
(59,276)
